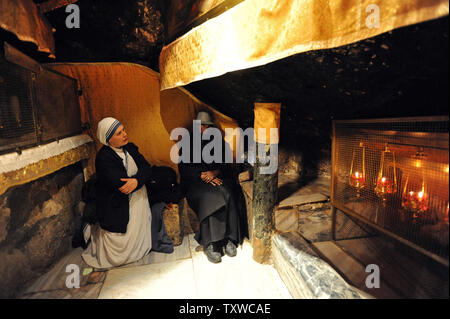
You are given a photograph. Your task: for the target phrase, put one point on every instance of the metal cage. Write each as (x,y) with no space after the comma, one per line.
(393,175)
(36,107)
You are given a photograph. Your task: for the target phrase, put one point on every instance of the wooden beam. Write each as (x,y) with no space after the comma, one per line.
(53,5)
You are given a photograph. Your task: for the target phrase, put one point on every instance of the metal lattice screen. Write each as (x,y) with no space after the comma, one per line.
(35,107)
(394,174)
(17,124)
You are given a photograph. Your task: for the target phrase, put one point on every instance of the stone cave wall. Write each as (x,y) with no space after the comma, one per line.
(295,163)
(111,31)
(37,223)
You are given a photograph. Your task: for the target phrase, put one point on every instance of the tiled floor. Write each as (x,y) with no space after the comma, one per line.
(184,274)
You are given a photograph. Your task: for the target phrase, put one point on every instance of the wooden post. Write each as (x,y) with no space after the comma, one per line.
(265,185)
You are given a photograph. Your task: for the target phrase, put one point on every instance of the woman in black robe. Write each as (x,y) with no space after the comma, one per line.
(211,191)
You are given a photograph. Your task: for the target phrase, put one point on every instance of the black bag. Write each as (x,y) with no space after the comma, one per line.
(164,187)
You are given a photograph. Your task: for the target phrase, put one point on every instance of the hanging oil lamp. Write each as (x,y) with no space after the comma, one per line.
(386,183)
(416,202)
(357,176)
(415,196)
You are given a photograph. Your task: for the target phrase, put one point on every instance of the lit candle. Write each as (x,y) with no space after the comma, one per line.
(357,175)
(384,186)
(357,179)
(416,202)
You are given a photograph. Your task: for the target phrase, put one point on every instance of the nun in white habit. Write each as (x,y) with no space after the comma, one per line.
(124,232)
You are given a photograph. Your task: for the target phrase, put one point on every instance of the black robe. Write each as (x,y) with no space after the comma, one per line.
(112,205)
(220,209)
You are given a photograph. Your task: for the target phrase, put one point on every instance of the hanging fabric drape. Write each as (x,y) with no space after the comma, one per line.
(257,32)
(22,18)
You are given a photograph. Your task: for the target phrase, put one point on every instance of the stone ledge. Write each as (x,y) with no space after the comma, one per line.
(305,274)
(42,160)
(315,191)
(298,200)
(13,161)
(289,214)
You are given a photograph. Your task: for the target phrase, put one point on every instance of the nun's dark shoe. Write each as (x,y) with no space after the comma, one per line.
(230,249)
(213,256)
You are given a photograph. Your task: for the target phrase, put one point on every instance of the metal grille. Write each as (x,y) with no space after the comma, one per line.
(58,111)
(17,126)
(393,174)
(35,107)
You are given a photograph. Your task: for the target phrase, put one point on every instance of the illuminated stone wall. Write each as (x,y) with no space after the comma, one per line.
(37,223)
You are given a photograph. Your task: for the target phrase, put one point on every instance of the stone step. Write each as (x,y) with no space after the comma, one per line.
(298,199)
(286,220)
(290,212)
(305,274)
(312,196)
(352,270)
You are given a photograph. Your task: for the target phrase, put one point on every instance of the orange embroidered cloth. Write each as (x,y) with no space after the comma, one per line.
(257,32)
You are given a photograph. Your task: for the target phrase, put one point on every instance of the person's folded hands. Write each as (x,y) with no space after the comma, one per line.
(216,182)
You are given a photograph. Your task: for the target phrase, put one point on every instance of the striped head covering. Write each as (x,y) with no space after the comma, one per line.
(106,129)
